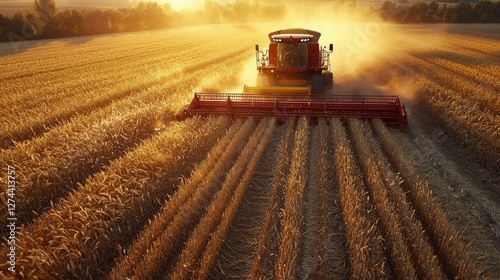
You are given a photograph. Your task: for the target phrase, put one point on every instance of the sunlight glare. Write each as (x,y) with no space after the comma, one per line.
(180,5)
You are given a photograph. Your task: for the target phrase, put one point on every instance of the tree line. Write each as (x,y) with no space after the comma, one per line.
(46,20)
(483,11)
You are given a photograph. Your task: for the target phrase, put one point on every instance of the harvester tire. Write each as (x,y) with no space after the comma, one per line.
(327,81)
(316,84)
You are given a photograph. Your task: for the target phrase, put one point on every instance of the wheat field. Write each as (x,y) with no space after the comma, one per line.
(109,184)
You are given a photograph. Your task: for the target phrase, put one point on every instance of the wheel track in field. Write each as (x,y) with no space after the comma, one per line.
(474,130)
(240,249)
(168,231)
(265,255)
(194,260)
(473,209)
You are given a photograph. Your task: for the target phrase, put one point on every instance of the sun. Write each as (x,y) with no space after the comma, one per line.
(180,5)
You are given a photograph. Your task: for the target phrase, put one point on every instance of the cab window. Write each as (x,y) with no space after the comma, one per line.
(292,55)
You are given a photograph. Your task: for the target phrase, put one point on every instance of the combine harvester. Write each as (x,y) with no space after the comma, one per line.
(294,80)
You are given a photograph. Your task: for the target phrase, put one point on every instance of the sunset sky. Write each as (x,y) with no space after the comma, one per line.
(177,4)
(7,6)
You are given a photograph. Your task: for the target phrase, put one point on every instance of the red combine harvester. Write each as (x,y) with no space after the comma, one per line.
(294,80)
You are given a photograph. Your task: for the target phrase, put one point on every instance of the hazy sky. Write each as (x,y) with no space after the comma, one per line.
(176,4)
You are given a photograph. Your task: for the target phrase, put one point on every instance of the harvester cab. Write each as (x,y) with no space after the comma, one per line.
(294,59)
(294,79)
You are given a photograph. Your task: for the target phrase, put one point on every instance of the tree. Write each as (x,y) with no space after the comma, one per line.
(152,15)
(462,13)
(144,16)
(45,10)
(3,24)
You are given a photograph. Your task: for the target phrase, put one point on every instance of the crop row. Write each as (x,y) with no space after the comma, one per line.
(82,233)
(394,226)
(55,162)
(468,112)
(182,210)
(450,77)
(66,97)
(367,258)
(453,252)
(291,215)
(80,53)
(267,240)
(196,258)
(315,237)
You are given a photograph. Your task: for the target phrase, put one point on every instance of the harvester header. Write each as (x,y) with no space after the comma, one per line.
(389,109)
(294,79)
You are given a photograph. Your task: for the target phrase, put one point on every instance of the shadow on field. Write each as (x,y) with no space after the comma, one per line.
(20,46)
(487,31)
(15,47)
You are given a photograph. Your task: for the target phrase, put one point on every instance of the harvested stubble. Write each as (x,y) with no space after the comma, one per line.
(333,257)
(79,236)
(268,234)
(218,236)
(323,204)
(426,263)
(452,250)
(367,257)
(291,222)
(188,261)
(392,231)
(182,211)
(468,113)
(315,239)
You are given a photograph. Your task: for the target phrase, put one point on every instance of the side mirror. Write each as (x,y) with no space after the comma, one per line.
(331,47)
(256,48)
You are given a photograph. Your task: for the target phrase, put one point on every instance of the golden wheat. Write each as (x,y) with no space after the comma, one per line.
(86,227)
(452,250)
(218,236)
(291,222)
(189,258)
(181,213)
(265,243)
(366,251)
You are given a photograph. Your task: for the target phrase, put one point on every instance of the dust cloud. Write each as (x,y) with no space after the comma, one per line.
(363,44)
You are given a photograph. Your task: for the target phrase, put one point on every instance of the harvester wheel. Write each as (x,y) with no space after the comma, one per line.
(316,83)
(328,81)
(264,80)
